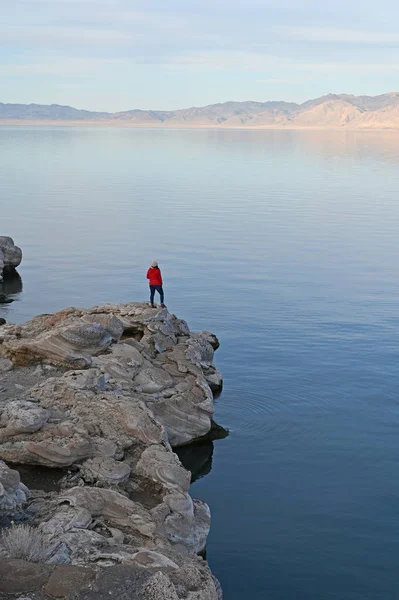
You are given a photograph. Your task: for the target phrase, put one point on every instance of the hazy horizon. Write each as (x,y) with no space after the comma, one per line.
(326,112)
(197,105)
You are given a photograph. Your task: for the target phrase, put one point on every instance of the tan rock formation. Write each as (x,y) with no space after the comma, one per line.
(135,353)
(143,388)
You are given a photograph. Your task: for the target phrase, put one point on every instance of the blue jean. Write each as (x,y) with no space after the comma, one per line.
(153,289)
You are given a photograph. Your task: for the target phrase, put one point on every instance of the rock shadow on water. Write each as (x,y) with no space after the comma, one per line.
(198,456)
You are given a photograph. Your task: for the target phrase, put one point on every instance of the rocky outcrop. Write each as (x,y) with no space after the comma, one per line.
(128,353)
(10,255)
(111,391)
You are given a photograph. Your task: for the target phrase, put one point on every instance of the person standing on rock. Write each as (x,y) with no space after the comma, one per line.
(155,277)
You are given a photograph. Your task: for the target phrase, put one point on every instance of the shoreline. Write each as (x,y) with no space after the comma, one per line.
(119,125)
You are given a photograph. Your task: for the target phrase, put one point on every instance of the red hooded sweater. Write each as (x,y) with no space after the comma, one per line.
(154,275)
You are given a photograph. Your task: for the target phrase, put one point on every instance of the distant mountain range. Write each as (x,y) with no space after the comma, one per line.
(328,112)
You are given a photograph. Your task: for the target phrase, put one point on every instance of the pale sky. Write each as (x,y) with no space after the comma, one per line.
(168,54)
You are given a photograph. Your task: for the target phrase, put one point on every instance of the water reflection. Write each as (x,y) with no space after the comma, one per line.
(196,458)
(322,144)
(10,288)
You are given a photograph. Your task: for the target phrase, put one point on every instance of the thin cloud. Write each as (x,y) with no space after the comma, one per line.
(73,67)
(288,80)
(252,61)
(220,61)
(338,35)
(347,67)
(76,35)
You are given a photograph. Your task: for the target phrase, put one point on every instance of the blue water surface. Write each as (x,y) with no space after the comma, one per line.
(286,245)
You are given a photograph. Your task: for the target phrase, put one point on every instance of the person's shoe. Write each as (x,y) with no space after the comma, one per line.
(163,305)
(153,305)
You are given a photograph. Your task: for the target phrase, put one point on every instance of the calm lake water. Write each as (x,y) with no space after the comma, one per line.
(286,245)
